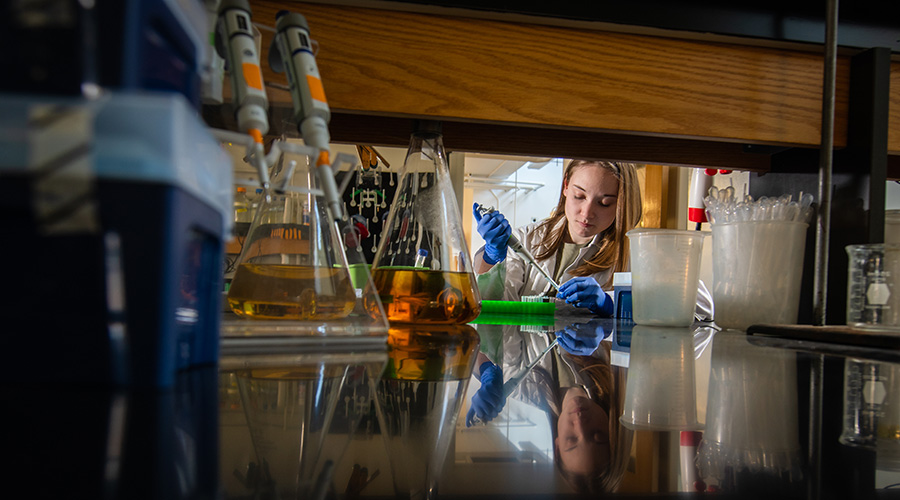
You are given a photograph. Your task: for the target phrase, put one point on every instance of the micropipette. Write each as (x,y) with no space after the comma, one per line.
(293,55)
(234,42)
(520,249)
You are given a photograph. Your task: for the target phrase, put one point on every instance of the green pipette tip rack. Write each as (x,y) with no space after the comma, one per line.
(495,312)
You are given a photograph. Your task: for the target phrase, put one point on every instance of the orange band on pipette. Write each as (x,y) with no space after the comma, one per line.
(256,134)
(323,159)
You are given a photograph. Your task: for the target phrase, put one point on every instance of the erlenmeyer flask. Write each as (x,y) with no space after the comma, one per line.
(293,264)
(424,216)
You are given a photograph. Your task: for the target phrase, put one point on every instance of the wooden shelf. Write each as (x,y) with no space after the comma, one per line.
(535,89)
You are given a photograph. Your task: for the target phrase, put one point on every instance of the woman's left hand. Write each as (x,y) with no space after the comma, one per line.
(584,291)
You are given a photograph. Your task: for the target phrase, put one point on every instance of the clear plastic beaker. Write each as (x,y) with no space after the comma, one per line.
(665,274)
(441,287)
(872,299)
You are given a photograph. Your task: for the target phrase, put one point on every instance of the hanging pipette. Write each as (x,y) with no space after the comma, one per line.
(294,56)
(235,44)
(520,249)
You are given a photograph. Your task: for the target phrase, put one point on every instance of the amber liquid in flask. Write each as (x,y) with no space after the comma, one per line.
(422,269)
(420,295)
(431,352)
(273,291)
(290,268)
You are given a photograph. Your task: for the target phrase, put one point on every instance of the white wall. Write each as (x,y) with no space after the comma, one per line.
(892,196)
(520,207)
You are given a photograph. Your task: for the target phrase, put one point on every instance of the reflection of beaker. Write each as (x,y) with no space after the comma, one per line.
(864,393)
(872,409)
(660,392)
(293,264)
(751,439)
(424,216)
(420,396)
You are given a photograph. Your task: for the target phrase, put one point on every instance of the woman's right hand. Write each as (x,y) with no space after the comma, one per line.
(495,230)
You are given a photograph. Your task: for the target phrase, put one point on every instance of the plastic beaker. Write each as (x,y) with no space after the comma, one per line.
(665,274)
(424,216)
(757,266)
(872,298)
(660,392)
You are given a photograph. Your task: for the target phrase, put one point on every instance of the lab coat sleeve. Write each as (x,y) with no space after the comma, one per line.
(506,280)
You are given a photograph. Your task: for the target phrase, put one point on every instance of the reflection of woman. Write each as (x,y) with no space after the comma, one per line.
(582,396)
(592,448)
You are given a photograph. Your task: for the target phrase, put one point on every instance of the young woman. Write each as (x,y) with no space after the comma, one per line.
(581,244)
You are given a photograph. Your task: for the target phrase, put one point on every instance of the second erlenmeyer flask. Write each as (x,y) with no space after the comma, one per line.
(422,268)
(292,265)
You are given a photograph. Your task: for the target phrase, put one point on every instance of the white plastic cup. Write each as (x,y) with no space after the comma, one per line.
(757,266)
(665,274)
(660,393)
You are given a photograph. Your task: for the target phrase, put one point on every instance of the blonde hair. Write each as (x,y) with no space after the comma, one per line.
(614,249)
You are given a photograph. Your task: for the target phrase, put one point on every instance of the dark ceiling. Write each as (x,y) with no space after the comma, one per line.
(862,23)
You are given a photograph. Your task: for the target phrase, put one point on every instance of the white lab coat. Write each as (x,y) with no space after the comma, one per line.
(512,278)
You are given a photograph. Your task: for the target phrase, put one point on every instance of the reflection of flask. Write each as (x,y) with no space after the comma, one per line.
(424,216)
(420,396)
(241,206)
(289,413)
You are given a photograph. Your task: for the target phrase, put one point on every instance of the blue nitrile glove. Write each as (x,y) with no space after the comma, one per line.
(584,291)
(488,400)
(495,230)
(581,339)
